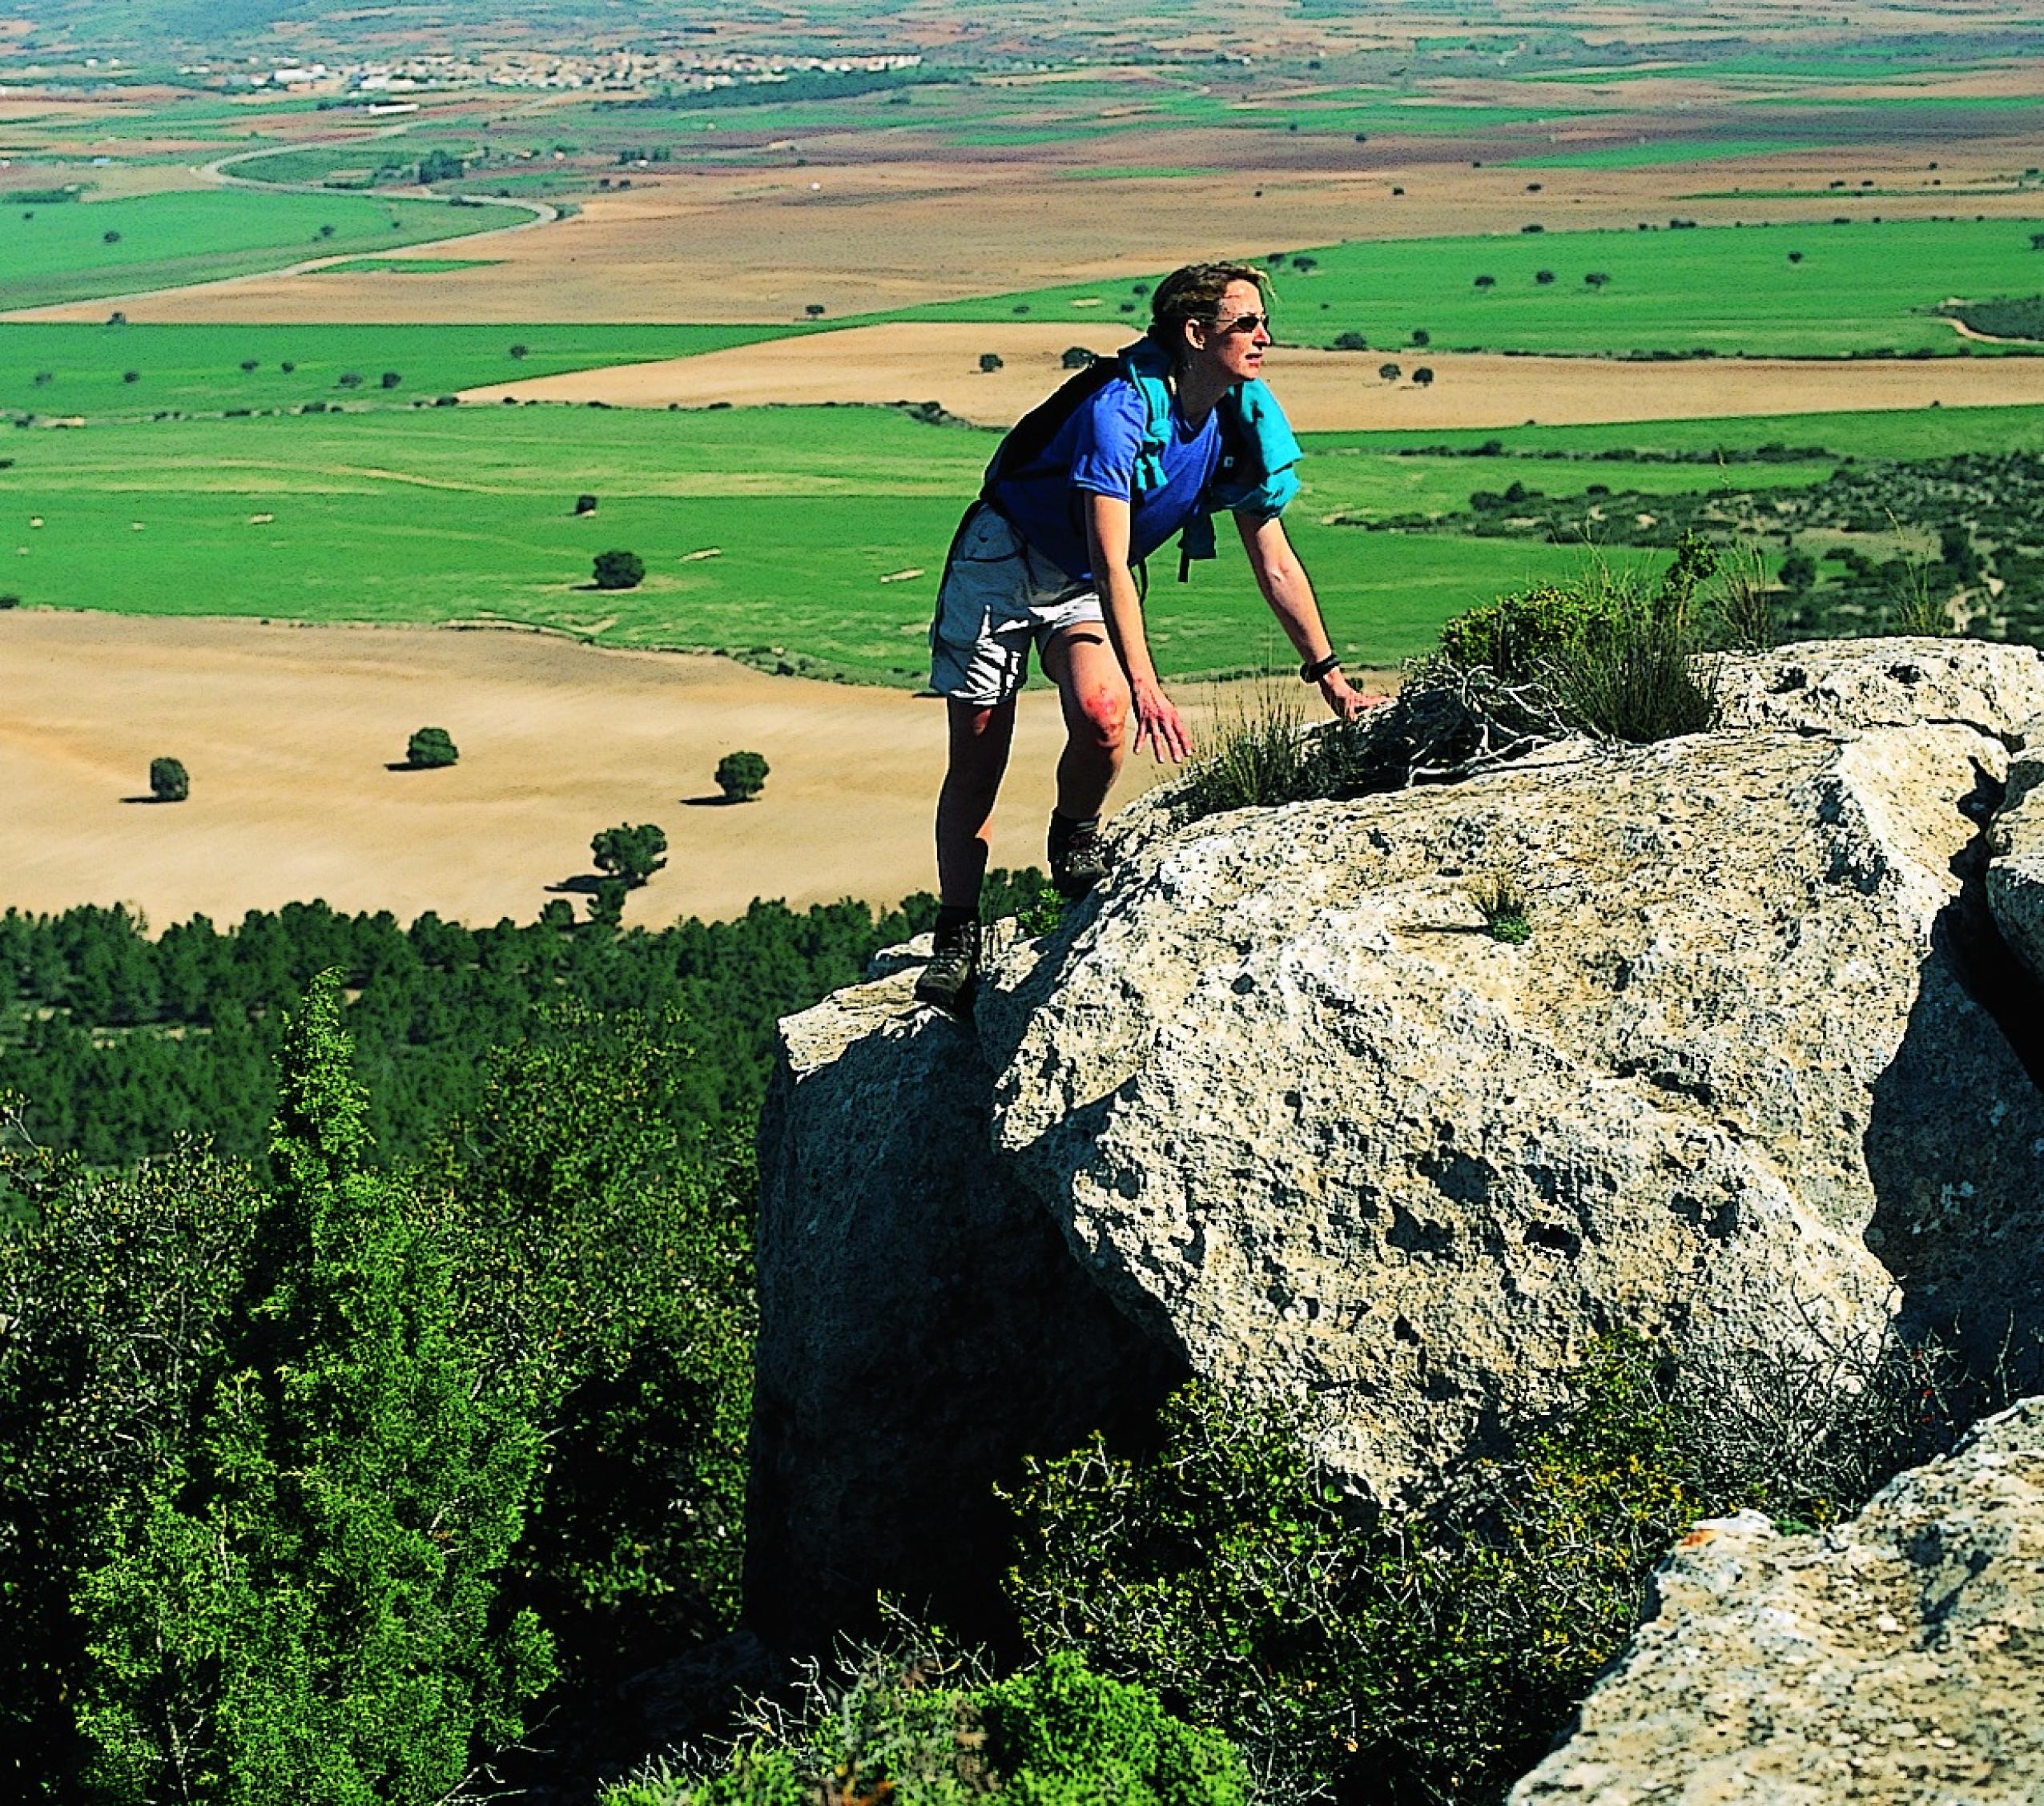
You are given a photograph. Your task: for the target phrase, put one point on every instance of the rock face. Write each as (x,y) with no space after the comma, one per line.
(1893,1660)
(921,1327)
(2015,875)
(1290,1107)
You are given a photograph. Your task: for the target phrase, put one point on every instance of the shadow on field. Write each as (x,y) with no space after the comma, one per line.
(585,885)
(719,801)
(152,800)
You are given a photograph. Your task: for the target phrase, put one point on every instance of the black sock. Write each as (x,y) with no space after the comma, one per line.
(956,915)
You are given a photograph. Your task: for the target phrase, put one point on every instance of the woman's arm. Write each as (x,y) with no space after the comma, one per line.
(1107,550)
(1289,591)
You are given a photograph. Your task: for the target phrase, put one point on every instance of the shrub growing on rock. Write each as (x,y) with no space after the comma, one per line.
(1433,1659)
(924,1723)
(168,780)
(429,748)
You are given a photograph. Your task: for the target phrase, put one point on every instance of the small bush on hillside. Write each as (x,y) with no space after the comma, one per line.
(1078,357)
(584,503)
(632,853)
(1504,906)
(989,362)
(390,379)
(926,1725)
(1433,1661)
(741,776)
(430,748)
(168,780)
(619,571)
(1351,341)
(1257,756)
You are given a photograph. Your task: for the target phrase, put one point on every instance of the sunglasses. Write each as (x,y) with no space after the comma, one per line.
(1243,323)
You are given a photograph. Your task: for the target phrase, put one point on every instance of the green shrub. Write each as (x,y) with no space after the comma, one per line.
(633,853)
(169,781)
(1504,906)
(924,1727)
(1433,1660)
(741,776)
(1257,757)
(430,748)
(619,571)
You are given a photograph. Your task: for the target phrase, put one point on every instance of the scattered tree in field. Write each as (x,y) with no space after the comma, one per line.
(249,366)
(741,776)
(168,780)
(989,362)
(349,379)
(45,378)
(8,602)
(1545,278)
(632,854)
(1305,265)
(1486,282)
(1078,357)
(430,748)
(287,368)
(1423,376)
(117,318)
(326,231)
(441,165)
(110,238)
(1422,336)
(518,351)
(1795,256)
(2036,239)
(814,310)
(584,503)
(1595,279)
(1391,373)
(130,375)
(390,379)
(619,571)
(1799,572)
(1351,341)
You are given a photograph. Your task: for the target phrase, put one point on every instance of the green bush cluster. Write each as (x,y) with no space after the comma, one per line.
(319,1473)
(430,748)
(926,1729)
(1355,1654)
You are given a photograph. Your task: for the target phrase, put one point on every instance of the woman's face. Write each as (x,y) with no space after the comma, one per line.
(1234,343)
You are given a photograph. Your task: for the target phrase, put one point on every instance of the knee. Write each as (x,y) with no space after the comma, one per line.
(1103,718)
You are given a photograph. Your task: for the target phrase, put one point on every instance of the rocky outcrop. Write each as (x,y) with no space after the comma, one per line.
(1277,1094)
(1893,1660)
(2015,875)
(921,1327)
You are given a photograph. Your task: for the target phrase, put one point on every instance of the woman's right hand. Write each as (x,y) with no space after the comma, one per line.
(1161,724)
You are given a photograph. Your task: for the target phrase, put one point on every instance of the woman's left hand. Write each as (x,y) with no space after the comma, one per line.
(1345,703)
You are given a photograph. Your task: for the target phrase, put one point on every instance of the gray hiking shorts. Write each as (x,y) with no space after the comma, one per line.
(999,597)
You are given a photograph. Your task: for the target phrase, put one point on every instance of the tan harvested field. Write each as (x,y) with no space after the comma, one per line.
(879,232)
(286,732)
(1323,392)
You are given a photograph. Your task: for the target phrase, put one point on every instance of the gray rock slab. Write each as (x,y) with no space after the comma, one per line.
(1895,1660)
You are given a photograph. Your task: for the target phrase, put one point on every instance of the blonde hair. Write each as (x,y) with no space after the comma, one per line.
(1195,292)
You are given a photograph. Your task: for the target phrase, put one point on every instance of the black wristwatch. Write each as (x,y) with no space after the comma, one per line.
(1319,668)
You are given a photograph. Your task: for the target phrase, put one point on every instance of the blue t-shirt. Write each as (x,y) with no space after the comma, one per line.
(1095,451)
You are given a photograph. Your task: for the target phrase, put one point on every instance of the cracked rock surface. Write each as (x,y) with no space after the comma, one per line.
(1894,1660)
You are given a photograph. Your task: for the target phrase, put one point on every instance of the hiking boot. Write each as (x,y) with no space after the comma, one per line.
(1078,856)
(946,982)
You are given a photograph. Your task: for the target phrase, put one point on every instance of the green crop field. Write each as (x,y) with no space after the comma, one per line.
(1650,154)
(405,266)
(73,253)
(60,368)
(1860,287)
(465,514)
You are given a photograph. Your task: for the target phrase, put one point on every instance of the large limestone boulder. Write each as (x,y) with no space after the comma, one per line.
(1294,1110)
(1892,1660)
(1273,1107)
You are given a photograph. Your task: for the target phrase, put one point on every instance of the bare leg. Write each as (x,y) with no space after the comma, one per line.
(980,740)
(1094,691)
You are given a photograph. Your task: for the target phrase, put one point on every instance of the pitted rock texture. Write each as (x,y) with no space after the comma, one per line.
(2015,876)
(1893,1660)
(1296,1111)
(1843,687)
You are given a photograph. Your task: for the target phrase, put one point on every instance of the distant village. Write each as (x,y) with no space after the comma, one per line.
(621,71)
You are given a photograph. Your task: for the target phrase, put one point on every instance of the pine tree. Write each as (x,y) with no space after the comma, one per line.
(303,1608)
